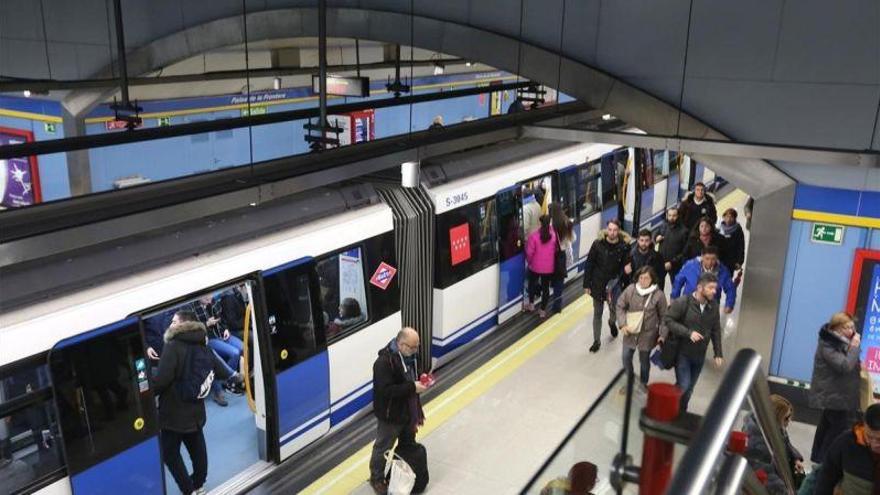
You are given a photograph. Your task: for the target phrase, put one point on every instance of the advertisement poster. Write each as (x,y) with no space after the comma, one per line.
(864,305)
(19,177)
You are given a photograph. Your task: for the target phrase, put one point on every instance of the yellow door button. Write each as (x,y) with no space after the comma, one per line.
(283,353)
(139,424)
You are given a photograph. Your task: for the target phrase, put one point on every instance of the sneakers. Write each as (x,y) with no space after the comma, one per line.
(542,314)
(595,347)
(379,487)
(219,399)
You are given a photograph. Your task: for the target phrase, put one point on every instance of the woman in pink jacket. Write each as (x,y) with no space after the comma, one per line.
(540,256)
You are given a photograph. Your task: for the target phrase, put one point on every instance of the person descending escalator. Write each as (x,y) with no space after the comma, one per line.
(602,273)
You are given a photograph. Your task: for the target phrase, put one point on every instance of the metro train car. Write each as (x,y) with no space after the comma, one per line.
(316,301)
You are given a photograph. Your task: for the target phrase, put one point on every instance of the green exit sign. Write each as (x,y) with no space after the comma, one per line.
(49,127)
(827,233)
(163,121)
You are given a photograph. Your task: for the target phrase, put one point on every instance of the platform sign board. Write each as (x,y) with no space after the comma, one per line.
(19,176)
(864,304)
(343,86)
(827,233)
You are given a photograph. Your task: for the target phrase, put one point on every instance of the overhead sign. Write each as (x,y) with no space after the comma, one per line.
(826,233)
(383,276)
(343,86)
(115,125)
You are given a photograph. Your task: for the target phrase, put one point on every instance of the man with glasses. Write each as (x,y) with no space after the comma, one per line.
(396,404)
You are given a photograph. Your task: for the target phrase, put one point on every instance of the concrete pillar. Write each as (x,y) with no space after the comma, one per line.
(79,169)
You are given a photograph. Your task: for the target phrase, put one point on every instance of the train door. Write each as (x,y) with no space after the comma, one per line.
(589,207)
(613,170)
(299,353)
(510,252)
(537,194)
(673,187)
(653,210)
(567,196)
(235,429)
(108,421)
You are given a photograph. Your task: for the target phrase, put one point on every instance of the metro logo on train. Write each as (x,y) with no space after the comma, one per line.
(460,243)
(383,276)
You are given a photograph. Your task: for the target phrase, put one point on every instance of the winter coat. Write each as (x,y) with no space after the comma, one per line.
(691,213)
(652,320)
(541,256)
(733,248)
(686,281)
(175,414)
(675,238)
(759,457)
(836,374)
(651,258)
(392,387)
(683,316)
(694,246)
(232,309)
(605,262)
(531,216)
(849,465)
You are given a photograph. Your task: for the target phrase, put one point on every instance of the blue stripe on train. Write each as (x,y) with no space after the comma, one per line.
(439,351)
(339,415)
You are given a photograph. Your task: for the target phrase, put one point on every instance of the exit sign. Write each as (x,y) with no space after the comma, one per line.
(827,233)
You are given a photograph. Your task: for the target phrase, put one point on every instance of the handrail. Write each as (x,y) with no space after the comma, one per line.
(732,475)
(743,379)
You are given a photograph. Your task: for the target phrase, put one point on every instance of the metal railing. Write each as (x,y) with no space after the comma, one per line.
(743,380)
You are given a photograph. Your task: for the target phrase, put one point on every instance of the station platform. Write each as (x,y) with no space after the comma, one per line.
(491,431)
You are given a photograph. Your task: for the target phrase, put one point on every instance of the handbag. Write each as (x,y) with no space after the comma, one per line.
(560,262)
(401,477)
(634,319)
(666,356)
(866,389)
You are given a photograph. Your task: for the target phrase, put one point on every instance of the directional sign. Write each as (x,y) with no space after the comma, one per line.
(826,233)
(383,276)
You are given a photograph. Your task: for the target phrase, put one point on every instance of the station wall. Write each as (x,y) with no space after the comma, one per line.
(817,275)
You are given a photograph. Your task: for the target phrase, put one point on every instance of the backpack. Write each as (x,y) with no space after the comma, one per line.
(195,381)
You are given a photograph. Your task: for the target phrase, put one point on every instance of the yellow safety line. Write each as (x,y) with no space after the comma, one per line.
(352,472)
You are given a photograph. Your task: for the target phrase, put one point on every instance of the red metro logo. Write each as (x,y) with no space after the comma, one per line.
(460,243)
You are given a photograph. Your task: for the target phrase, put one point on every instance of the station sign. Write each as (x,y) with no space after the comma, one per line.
(383,276)
(343,86)
(254,110)
(827,233)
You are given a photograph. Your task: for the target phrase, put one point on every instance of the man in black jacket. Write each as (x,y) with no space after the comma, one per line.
(697,205)
(693,319)
(643,254)
(672,239)
(182,420)
(396,403)
(853,460)
(605,262)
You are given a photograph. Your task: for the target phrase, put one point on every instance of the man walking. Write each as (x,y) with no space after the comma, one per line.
(605,262)
(396,402)
(672,239)
(697,205)
(686,280)
(644,254)
(693,319)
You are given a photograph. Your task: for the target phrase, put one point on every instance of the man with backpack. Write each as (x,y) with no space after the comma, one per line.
(187,370)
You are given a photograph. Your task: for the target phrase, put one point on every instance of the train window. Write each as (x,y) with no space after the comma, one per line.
(102,392)
(466,242)
(644,161)
(343,292)
(568,194)
(588,189)
(29,449)
(509,228)
(661,166)
(614,172)
(384,300)
(294,335)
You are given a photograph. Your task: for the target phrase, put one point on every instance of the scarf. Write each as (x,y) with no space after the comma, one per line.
(699,201)
(728,230)
(410,367)
(644,292)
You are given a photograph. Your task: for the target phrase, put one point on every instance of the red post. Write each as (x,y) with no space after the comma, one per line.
(657,455)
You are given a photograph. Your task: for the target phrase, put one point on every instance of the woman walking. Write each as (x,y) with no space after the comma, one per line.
(640,311)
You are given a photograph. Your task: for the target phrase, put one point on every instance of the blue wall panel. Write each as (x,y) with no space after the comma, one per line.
(815,285)
(825,199)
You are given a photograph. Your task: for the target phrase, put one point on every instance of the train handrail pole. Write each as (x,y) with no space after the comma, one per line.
(743,379)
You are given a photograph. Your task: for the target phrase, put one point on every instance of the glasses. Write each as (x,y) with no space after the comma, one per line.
(409,346)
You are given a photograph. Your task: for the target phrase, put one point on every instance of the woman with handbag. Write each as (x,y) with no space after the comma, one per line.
(564,229)
(640,311)
(541,250)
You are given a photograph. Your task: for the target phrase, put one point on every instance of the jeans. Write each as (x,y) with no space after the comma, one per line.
(198,453)
(228,350)
(558,287)
(644,363)
(386,434)
(832,423)
(217,385)
(687,372)
(598,309)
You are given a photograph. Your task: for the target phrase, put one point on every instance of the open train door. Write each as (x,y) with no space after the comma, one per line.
(510,252)
(299,353)
(105,406)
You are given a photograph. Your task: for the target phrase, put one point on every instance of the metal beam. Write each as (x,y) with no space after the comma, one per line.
(15,84)
(798,154)
(149,134)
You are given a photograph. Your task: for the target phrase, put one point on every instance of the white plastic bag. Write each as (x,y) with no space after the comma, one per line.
(402,477)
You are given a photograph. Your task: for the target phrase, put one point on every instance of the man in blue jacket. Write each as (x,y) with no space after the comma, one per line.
(686,280)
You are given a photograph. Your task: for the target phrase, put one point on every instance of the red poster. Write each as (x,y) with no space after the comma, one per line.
(460,243)
(383,276)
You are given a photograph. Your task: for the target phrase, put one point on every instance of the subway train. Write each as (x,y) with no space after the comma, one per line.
(312,303)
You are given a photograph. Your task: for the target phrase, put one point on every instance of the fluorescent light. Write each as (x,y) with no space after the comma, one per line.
(27,93)
(438,70)
(276,83)
(468,63)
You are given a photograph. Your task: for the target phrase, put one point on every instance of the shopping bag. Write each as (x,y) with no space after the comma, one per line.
(401,477)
